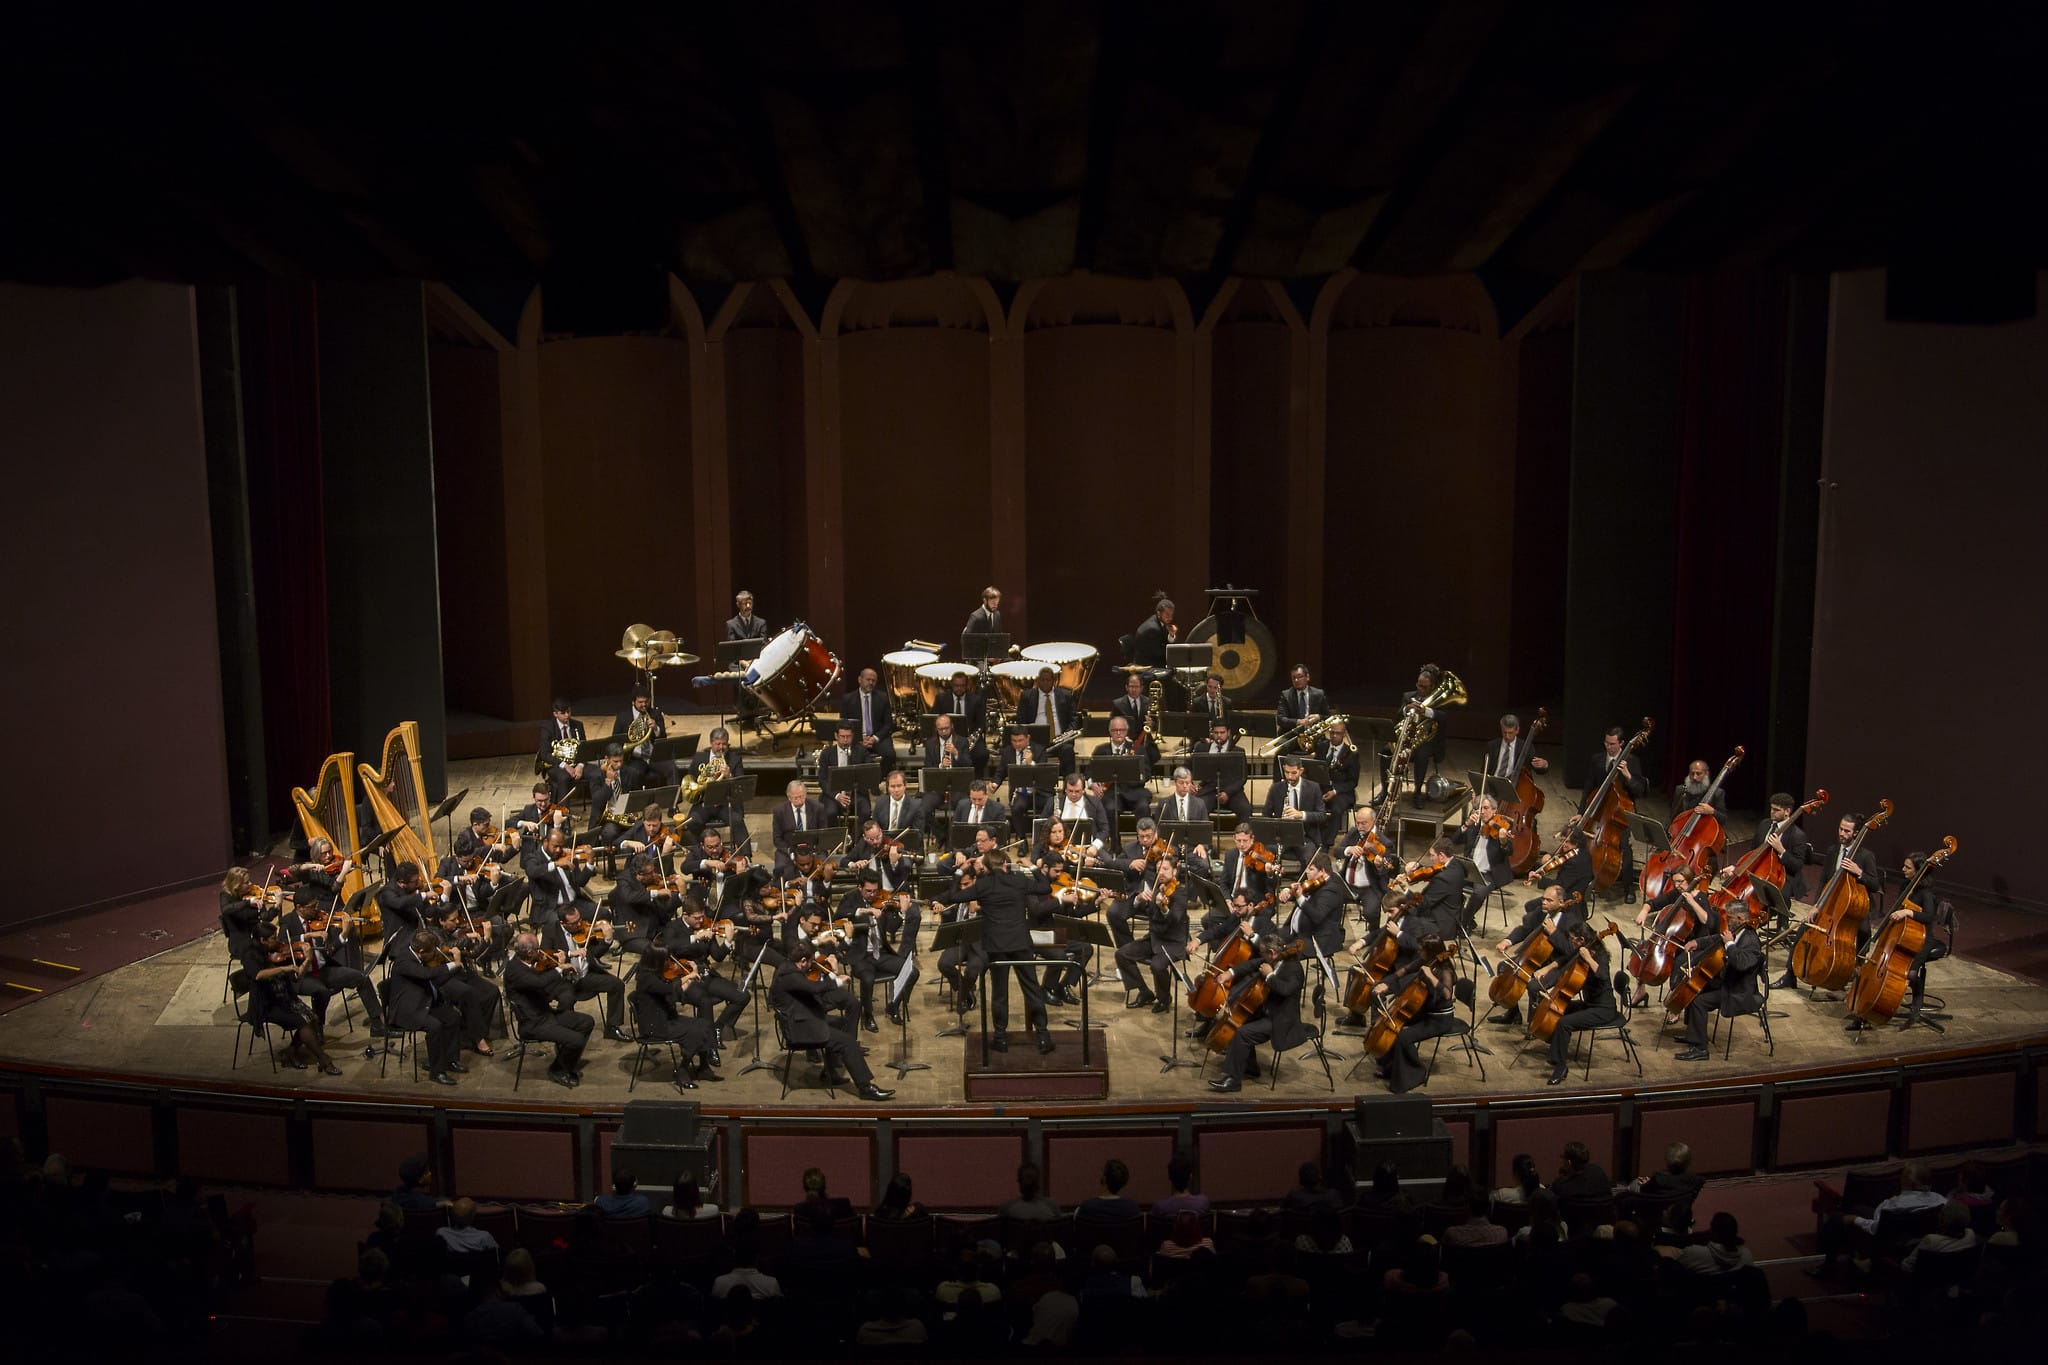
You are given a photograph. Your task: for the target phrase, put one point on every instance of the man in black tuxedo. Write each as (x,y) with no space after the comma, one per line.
(979,808)
(416,1001)
(1074,803)
(1231,796)
(1443,900)
(1051,705)
(1431,753)
(1629,775)
(1235,874)
(899,813)
(744,625)
(1212,703)
(1505,757)
(1734,992)
(1181,805)
(1361,872)
(844,751)
(1277,1022)
(558,880)
(719,752)
(1555,916)
(1131,705)
(799,814)
(562,777)
(1154,633)
(1129,796)
(1294,792)
(640,760)
(1019,750)
(402,906)
(807,1023)
(1336,749)
(1007,916)
(963,703)
(1300,701)
(1493,857)
(544,1001)
(949,748)
(986,619)
(867,708)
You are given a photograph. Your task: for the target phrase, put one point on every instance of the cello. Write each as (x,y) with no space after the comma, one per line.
(1512,977)
(1701,968)
(1249,1002)
(1695,838)
(1374,964)
(1528,803)
(1570,981)
(1880,983)
(1402,1009)
(1601,823)
(1760,864)
(1824,956)
(1651,960)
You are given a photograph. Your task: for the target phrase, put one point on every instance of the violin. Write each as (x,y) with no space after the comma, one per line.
(1406,1004)
(1527,844)
(1498,826)
(1695,839)
(1825,954)
(1762,864)
(1558,858)
(569,857)
(1086,888)
(678,968)
(1372,848)
(1880,984)
(332,867)
(1570,981)
(1602,820)
(1519,969)
(1249,1002)
(1261,858)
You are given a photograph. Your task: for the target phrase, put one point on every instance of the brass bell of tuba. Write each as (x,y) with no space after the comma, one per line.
(1449,691)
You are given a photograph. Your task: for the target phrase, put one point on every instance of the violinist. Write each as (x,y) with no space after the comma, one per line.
(559,875)
(1154,633)
(1556,916)
(725,880)
(1781,831)
(1734,992)
(1335,748)
(475,995)
(1165,900)
(1059,857)
(480,839)
(273,973)
(875,850)
(719,762)
(1488,839)
(1129,796)
(805,879)
(337,966)
(318,879)
(805,933)
(1140,861)
(1075,804)
(692,935)
(1312,909)
(1594,1006)
(479,859)
(1690,930)
(1278,1021)
(1570,873)
(541,814)
(650,835)
(1006,915)
(584,949)
(1361,863)
(242,909)
(544,999)
(658,986)
(1025,802)
(963,964)
(885,947)
(1295,797)
(417,1000)
(1244,871)
(641,761)
(1921,908)
(404,904)
(1443,898)
(970,861)
(900,814)
(1629,777)
(801,997)
(1228,796)
(1402,1065)
(561,777)
(642,899)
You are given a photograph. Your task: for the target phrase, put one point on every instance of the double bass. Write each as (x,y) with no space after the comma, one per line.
(1824,956)
(1528,803)
(1760,864)
(1512,977)
(1696,839)
(1603,821)
(1249,1002)
(1570,981)
(1880,984)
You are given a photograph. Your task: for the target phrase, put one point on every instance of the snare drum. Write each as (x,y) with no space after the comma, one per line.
(899,670)
(794,673)
(1074,660)
(935,680)
(1013,679)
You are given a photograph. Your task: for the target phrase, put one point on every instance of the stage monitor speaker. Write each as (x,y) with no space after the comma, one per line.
(659,1144)
(1960,291)
(1391,1116)
(672,1121)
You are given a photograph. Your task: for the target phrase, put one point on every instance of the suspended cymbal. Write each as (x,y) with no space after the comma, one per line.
(636,657)
(635,637)
(663,642)
(676,660)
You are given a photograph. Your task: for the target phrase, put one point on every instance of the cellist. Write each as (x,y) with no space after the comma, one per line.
(1687,930)
(1629,776)
(1733,992)
(1278,1021)
(1593,1008)
(1550,915)
(1788,841)
(1402,1067)
(1921,908)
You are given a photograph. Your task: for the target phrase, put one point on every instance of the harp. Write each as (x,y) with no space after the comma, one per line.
(397,797)
(329,812)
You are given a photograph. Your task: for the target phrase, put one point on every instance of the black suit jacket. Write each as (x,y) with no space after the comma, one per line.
(1499,854)
(1311,806)
(1283,999)
(624,720)
(878,706)
(1006,909)
(1167,807)
(1148,642)
(968,753)
(1637,785)
(1343,771)
(740,628)
(1321,917)
(1865,862)
(1256,883)
(1221,709)
(412,987)
(828,758)
(800,1002)
(973,709)
(995,812)
(1435,747)
(909,817)
(1062,718)
(819,824)
(1497,764)
(1289,709)
(1443,903)
(980,621)
(534,994)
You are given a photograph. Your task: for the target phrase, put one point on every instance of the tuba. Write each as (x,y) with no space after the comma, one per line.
(1418,729)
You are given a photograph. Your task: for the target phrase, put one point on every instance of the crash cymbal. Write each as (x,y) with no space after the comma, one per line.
(676,660)
(636,657)
(662,642)
(635,637)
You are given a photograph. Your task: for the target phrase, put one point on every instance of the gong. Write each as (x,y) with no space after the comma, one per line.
(1247,668)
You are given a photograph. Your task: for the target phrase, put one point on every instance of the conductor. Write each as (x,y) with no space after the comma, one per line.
(1007,916)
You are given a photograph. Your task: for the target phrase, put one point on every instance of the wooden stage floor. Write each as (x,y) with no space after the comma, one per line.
(162,1018)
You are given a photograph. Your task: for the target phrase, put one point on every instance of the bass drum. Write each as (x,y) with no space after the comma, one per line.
(1248,668)
(794,673)
(899,671)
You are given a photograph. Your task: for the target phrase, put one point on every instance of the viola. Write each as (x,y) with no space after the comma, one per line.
(1570,981)
(1603,821)
(1249,1002)
(1406,1004)
(1511,979)
(1760,864)
(1695,839)
(678,968)
(1527,844)
(1824,955)
(1085,887)
(1261,858)
(1880,984)
(1655,954)
(1559,856)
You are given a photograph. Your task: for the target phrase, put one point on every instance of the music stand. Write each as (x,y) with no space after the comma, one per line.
(592,750)
(1494,785)
(1035,777)
(676,749)
(1187,725)
(446,811)
(1316,770)
(731,654)
(1117,770)
(982,646)
(1182,834)
(1202,656)
(728,792)
(1071,928)
(963,933)
(1648,831)
(948,785)
(859,778)
(1276,833)
(960,834)
(1214,772)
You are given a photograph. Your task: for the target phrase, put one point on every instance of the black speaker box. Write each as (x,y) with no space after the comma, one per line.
(1388,1116)
(659,1143)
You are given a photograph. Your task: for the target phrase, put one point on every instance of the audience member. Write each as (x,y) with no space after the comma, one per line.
(686,1201)
(1180,1173)
(625,1201)
(1030,1206)
(1110,1204)
(1309,1192)
(462,1235)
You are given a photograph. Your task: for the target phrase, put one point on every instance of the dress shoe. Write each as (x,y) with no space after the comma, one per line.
(1691,1054)
(1509,1019)
(563,1079)
(328,1068)
(379,1031)
(1225,1085)
(999,1044)
(1065,996)
(1556,1077)
(896,1015)
(1628,895)
(441,1078)
(459,1068)
(1853,1025)
(964,1003)
(617,1035)
(867,1021)
(1161,1006)
(714,1058)
(1045,1042)
(683,1082)
(1144,998)
(871,1091)
(1785,982)
(705,1073)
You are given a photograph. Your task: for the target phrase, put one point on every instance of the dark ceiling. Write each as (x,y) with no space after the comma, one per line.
(1526,141)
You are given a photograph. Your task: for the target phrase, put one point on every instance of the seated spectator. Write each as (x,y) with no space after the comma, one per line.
(1952,1234)
(1584,1305)
(1477,1230)
(498,1321)
(745,1276)
(1543,1212)
(893,1324)
(361,1309)
(1457,1189)
(821,1258)
(1579,1178)
(1309,1193)
(1526,1181)
(415,1184)
(462,1236)
(523,1287)
(970,1280)
(816,1193)
(1106,1281)
(1187,1237)
(1180,1173)
(1325,1235)
(1030,1205)
(1722,1252)
(1676,1177)
(1385,1195)
(624,1201)
(1420,1271)
(1111,1204)
(1041,1277)
(686,1202)
(1973,1187)
(1053,1318)
(389,1229)
(897,1204)
(738,1326)
(1913,1195)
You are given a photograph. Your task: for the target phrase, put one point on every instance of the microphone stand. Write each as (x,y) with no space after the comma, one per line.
(1479,964)
(1173,1060)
